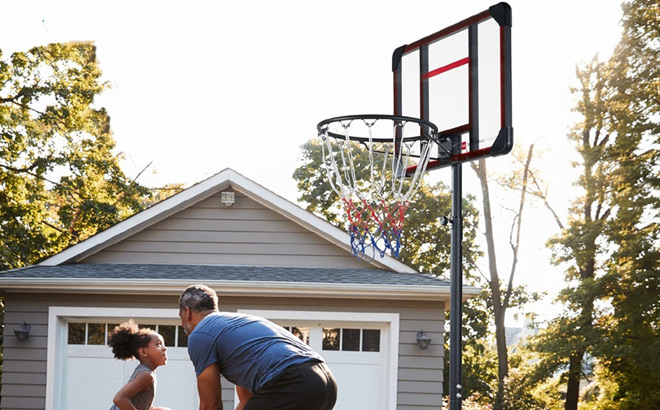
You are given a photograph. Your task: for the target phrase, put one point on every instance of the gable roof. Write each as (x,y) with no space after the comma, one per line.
(200,191)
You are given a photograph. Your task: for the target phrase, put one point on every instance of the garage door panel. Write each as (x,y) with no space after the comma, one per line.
(354,358)
(94,368)
(104,352)
(85,393)
(355,386)
(177,385)
(91,380)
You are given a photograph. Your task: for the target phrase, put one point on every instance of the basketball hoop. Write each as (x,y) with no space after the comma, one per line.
(375,163)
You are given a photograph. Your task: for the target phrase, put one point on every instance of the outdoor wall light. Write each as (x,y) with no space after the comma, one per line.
(423,340)
(23,333)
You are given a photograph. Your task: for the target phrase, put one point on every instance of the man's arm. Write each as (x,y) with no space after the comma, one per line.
(209,388)
(243,396)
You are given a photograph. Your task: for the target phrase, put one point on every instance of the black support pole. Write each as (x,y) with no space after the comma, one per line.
(456,302)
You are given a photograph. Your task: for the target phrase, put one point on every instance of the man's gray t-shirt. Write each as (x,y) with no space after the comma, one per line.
(249,350)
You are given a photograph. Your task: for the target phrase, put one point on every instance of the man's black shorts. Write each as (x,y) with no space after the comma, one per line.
(305,386)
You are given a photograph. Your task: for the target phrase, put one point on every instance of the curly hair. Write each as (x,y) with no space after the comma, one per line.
(127,338)
(198,298)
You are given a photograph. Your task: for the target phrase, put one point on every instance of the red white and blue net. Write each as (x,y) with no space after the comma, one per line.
(374,163)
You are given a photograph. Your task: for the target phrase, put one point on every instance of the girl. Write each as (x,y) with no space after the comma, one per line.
(128,341)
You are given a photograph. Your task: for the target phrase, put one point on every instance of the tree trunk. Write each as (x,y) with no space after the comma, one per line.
(499,310)
(502,355)
(501,301)
(573,387)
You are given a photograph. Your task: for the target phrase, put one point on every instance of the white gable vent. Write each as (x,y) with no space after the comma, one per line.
(227,198)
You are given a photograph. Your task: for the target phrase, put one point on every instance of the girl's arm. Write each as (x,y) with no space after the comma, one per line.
(243,396)
(140,382)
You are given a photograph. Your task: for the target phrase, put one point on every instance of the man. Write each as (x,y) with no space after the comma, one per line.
(271,368)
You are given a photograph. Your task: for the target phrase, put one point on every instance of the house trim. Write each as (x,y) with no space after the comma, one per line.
(232,288)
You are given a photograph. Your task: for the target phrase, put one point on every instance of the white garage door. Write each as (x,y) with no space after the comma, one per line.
(357,353)
(93,375)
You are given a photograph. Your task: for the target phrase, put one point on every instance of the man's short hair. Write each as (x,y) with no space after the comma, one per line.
(198,298)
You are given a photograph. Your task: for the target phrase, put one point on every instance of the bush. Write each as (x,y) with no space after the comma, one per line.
(471,403)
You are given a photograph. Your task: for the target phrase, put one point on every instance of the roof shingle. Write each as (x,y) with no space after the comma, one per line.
(226,273)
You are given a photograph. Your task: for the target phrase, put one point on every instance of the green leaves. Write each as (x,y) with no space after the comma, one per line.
(632,273)
(611,242)
(60,181)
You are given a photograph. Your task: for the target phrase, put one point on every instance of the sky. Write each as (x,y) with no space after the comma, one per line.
(200,86)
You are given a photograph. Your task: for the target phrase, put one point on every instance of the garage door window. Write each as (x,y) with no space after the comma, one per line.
(77,333)
(351,340)
(370,340)
(98,333)
(300,331)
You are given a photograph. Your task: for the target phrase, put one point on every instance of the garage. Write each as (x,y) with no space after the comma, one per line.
(260,252)
(357,347)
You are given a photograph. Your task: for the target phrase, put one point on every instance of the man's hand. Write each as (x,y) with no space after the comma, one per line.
(209,388)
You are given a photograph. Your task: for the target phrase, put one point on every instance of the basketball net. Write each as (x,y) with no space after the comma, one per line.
(369,175)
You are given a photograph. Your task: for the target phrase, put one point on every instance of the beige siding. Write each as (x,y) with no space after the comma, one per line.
(247,233)
(24,369)
(24,363)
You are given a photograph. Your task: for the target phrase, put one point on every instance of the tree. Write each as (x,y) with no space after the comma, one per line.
(520,390)
(502,297)
(580,244)
(611,241)
(479,365)
(631,283)
(2,335)
(60,181)
(162,193)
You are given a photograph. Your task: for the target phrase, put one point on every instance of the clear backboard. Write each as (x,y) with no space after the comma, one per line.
(459,78)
